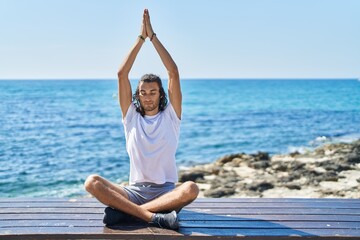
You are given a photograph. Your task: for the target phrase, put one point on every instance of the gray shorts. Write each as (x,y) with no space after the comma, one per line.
(141,193)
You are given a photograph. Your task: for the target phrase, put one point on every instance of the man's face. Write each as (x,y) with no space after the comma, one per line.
(149,97)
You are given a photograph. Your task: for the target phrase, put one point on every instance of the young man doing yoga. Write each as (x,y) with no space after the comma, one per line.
(152,128)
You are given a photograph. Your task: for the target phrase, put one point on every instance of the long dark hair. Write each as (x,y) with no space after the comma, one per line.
(148,78)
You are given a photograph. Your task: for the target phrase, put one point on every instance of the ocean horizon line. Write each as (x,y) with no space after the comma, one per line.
(186,79)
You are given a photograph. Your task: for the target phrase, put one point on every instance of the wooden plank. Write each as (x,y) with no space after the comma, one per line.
(60,216)
(52,204)
(196,204)
(125,232)
(52,200)
(270,224)
(274,234)
(276,200)
(208,200)
(89,237)
(62,223)
(52,210)
(210,217)
(298,211)
(189,224)
(227,211)
(338,205)
(188,217)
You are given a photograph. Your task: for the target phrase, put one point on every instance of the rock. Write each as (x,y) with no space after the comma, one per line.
(219,192)
(294,154)
(279,166)
(261,160)
(314,178)
(331,170)
(225,178)
(296,166)
(259,164)
(260,187)
(330,176)
(191,176)
(237,161)
(227,158)
(353,158)
(337,167)
(293,186)
(215,170)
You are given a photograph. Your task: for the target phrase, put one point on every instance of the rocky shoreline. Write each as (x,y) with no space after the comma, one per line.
(331,171)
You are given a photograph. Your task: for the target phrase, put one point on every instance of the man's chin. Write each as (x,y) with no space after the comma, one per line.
(149,108)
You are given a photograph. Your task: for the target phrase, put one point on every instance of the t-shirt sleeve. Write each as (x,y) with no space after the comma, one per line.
(171,112)
(129,114)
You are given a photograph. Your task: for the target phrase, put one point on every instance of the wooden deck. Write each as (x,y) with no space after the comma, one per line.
(57,218)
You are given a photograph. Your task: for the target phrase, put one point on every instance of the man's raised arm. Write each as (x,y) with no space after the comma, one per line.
(174,87)
(125,93)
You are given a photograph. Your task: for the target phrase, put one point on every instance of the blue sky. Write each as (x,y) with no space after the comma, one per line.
(208,39)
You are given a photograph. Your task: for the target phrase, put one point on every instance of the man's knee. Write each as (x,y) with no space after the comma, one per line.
(91,182)
(191,190)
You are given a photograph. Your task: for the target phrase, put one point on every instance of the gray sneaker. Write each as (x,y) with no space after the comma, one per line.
(166,220)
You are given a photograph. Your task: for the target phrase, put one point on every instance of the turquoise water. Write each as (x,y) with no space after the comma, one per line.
(55,133)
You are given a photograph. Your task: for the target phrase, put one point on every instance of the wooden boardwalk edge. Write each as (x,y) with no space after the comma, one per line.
(249,218)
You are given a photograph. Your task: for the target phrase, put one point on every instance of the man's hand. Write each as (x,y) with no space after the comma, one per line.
(143,27)
(148,26)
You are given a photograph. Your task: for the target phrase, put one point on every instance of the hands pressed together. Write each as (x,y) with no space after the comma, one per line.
(146,28)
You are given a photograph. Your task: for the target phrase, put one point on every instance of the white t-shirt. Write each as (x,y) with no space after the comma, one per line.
(151,142)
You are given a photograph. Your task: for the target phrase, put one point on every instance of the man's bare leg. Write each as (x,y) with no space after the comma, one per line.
(115,197)
(174,200)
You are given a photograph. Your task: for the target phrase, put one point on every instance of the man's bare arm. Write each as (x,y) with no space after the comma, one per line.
(174,87)
(125,93)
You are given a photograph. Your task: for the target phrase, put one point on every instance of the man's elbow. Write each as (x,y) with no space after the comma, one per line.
(121,74)
(173,71)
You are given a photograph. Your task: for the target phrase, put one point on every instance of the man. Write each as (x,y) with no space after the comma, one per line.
(152,133)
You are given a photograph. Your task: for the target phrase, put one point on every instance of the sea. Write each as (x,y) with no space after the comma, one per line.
(54,133)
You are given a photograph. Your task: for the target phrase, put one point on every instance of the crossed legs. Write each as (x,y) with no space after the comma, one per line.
(115,196)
